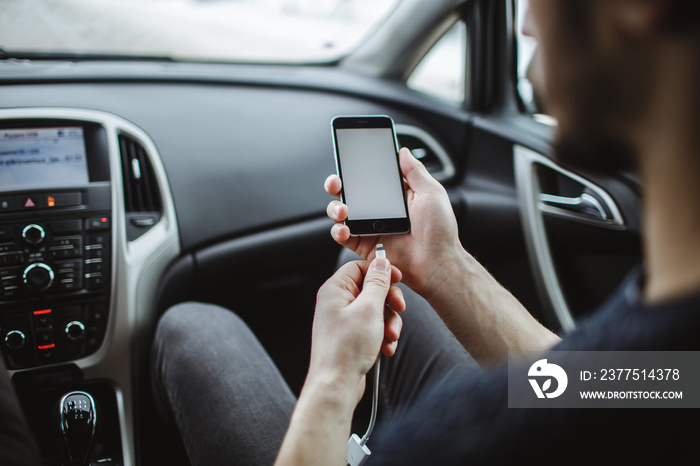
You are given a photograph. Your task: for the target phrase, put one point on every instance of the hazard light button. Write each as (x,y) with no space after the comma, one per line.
(29,202)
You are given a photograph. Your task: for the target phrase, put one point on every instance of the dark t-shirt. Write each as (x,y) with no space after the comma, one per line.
(467,419)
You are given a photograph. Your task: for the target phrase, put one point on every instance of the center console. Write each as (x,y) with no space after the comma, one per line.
(55,241)
(83,194)
(56,258)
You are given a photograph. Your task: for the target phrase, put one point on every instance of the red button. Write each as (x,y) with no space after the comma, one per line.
(31,201)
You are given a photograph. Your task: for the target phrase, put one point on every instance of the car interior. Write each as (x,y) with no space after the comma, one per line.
(130,183)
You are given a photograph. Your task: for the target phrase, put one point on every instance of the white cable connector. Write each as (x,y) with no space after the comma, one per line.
(357,448)
(380,252)
(357,452)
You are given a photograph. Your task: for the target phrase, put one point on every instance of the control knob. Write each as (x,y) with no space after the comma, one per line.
(15,339)
(33,234)
(38,276)
(74,330)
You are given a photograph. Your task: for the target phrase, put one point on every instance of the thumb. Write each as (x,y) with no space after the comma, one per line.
(414,171)
(377,283)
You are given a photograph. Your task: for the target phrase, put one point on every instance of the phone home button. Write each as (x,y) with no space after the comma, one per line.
(378,226)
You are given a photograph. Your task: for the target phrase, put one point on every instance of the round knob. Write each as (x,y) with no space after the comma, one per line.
(74,330)
(15,339)
(33,234)
(38,276)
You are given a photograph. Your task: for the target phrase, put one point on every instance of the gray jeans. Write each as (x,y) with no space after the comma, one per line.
(231,404)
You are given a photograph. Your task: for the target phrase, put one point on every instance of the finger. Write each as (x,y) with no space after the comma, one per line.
(376,285)
(392,325)
(333,185)
(396,274)
(389,348)
(337,211)
(349,277)
(395,299)
(341,234)
(414,171)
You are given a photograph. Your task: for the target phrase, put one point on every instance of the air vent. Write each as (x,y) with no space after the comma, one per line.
(426,149)
(142,202)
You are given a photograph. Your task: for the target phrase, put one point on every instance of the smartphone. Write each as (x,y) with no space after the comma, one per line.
(367,161)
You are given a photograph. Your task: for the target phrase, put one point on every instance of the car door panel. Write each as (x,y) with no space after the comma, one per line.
(575,259)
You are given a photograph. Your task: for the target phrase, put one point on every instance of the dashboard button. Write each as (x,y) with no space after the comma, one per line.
(46,353)
(69,275)
(97,315)
(65,199)
(94,280)
(10,258)
(7,232)
(29,202)
(8,282)
(66,247)
(42,319)
(44,337)
(94,265)
(95,253)
(97,238)
(97,223)
(7,204)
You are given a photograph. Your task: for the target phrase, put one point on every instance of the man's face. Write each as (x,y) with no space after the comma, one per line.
(583,84)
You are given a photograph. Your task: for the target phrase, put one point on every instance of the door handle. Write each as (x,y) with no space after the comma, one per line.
(585,204)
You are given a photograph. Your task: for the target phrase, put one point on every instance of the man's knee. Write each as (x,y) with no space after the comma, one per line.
(188,332)
(193,320)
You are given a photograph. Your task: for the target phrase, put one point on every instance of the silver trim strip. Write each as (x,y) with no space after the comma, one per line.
(532,209)
(574,205)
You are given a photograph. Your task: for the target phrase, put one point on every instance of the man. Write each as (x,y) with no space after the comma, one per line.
(621,79)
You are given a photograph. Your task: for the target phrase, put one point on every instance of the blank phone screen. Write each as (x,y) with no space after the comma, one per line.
(372,184)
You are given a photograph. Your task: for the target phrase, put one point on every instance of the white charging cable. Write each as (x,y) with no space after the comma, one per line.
(357,448)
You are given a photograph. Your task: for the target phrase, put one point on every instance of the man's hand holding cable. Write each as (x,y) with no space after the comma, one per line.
(356,318)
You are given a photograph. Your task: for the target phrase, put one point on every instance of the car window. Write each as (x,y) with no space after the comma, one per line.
(259,31)
(442,72)
(526,47)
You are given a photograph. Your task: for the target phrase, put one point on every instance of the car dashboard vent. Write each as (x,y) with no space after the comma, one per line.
(142,202)
(426,149)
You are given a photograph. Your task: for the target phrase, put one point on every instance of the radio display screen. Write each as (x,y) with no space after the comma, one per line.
(42,157)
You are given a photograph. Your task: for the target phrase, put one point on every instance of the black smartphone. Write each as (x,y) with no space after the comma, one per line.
(367,161)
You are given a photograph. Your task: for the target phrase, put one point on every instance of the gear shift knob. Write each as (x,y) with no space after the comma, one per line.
(78,418)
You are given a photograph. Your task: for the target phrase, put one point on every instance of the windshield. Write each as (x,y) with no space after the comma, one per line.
(272,31)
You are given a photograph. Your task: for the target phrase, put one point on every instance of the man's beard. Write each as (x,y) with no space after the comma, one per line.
(593,151)
(587,140)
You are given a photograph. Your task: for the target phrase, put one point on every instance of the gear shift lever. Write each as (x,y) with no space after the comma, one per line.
(78,419)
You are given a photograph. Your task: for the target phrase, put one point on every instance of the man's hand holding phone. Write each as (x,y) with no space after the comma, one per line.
(423,254)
